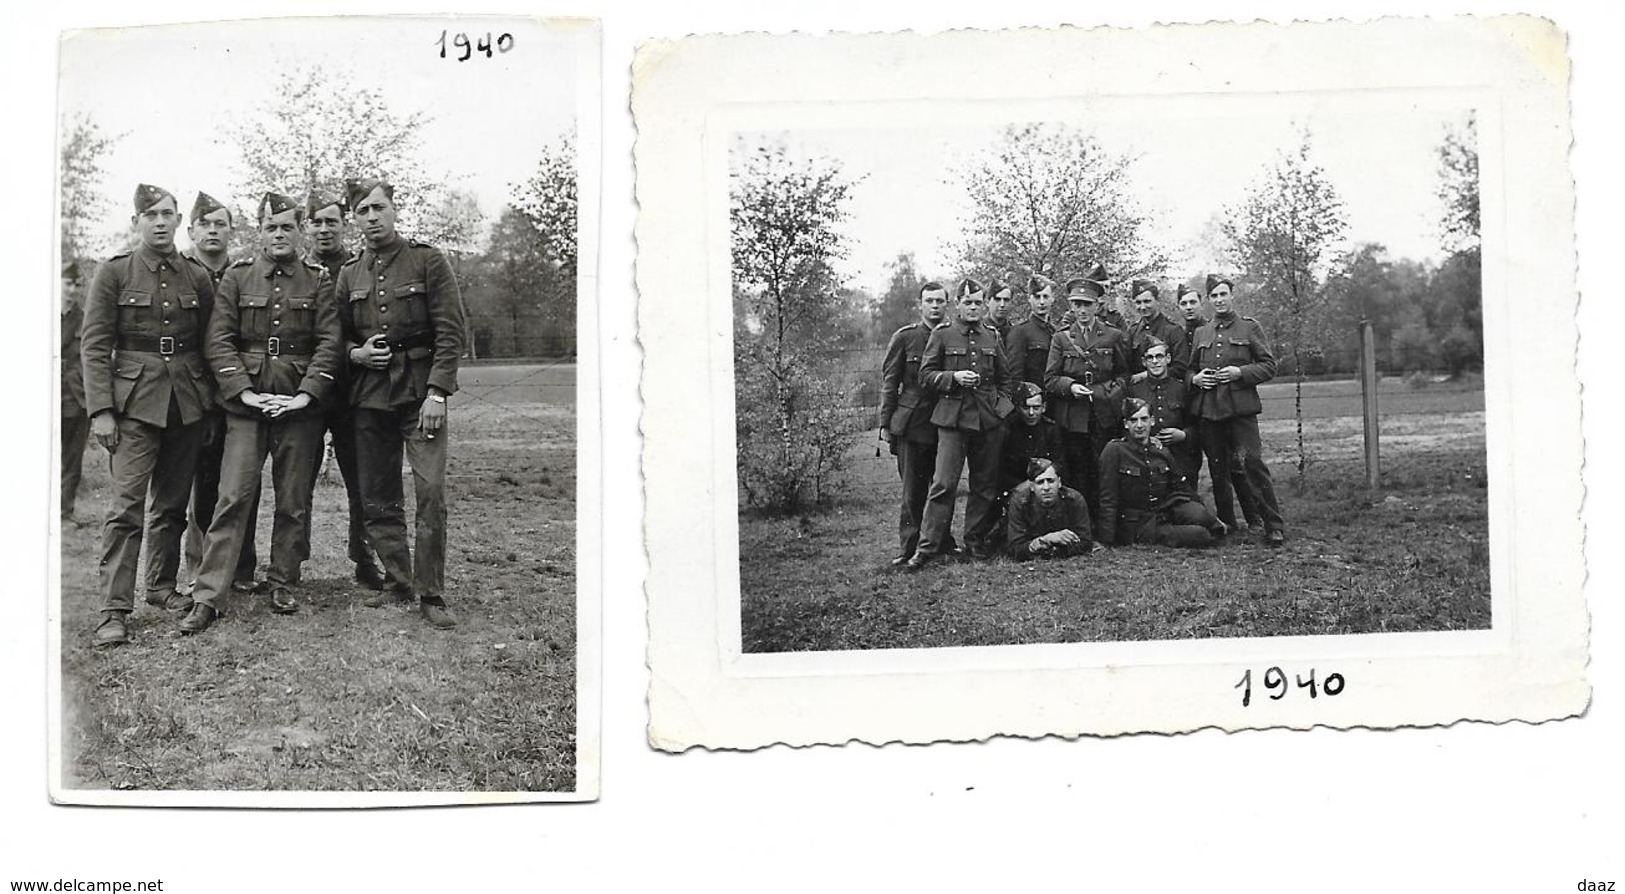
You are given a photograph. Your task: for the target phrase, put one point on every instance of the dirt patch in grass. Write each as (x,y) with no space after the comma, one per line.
(339,696)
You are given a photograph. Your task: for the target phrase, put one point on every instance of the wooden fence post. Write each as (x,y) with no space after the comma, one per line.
(1368,391)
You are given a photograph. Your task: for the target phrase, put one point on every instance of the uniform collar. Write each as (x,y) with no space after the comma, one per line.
(969,327)
(338,254)
(192,255)
(151,259)
(269,268)
(1220,321)
(382,257)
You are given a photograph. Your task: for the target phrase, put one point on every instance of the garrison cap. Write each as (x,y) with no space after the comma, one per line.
(203,206)
(1153,343)
(276,203)
(1215,279)
(1182,291)
(1083,287)
(147,195)
(356,189)
(317,200)
(1144,285)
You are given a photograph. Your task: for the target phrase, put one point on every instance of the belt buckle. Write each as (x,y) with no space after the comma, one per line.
(273,346)
(166,345)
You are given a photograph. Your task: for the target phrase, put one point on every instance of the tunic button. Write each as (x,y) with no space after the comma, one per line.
(383,308)
(276,322)
(166,303)
(380,279)
(163,285)
(276,307)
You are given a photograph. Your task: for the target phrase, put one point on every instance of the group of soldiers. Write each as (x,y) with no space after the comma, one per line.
(1124,411)
(196,366)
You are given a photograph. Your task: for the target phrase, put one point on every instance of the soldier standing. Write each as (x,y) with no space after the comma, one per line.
(324,220)
(273,344)
(1027,349)
(403,327)
(1230,358)
(148,393)
(1150,325)
(209,228)
(1167,396)
(905,414)
(964,365)
(1086,372)
(1190,308)
(998,309)
(75,429)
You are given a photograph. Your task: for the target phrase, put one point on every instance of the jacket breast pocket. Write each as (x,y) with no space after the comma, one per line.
(126,374)
(955,359)
(302,311)
(135,313)
(1131,471)
(415,297)
(187,300)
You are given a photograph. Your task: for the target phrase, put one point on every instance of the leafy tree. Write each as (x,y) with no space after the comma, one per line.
(784,215)
(1460,277)
(1049,199)
(1458,186)
(901,303)
(513,296)
(1283,234)
(548,201)
(84,147)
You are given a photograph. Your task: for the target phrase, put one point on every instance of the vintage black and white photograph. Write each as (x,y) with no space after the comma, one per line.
(1158,365)
(328,439)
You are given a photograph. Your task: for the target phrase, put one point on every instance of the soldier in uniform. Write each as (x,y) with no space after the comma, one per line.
(1167,396)
(324,221)
(148,393)
(75,424)
(273,344)
(403,328)
(1190,309)
(964,365)
(209,228)
(1150,325)
(1026,350)
(905,414)
(1230,358)
(998,309)
(1031,436)
(1144,497)
(1086,373)
(1107,313)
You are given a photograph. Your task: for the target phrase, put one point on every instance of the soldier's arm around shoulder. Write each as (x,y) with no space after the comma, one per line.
(1262,369)
(220,348)
(446,310)
(932,376)
(98,334)
(321,375)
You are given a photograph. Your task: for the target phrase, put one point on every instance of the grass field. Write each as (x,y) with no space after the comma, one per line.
(1413,556)
(342,697)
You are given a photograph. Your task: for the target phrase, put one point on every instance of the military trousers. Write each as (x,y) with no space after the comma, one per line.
(916,464)
(1185,524)
(205,496)
(1081,450)
(75,436)
(956,447)
(1235,442)
(293,443)
(380,438)
(150,463)
(1237,474)
(340,420)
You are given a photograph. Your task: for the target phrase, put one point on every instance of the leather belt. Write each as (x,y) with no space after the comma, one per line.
(279,345)
(165,345)
(420,340)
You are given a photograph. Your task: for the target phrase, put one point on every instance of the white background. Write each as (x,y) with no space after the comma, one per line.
(1476,807)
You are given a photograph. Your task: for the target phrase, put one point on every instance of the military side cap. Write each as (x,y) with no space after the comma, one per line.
(357,189)
(1144,285)
(203,206)
(317,200)
(1084,286)
(1215,279)
(147,195)
(1182,291)
(276,203)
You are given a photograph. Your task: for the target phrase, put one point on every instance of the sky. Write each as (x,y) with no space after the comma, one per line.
(1193,157)
(167,89)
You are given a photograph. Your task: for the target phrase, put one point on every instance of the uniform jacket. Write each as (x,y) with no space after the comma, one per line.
(1096,357)
(1026,518)
(73,373)
(1027,349)
(340,395)
(1023,442)
(1002,327)
(1136,481)
(158,307)
(1168,397)
(290,301)
(1240,342)
(214,275)
(407,292)
(1170,333)
(974,346)
(905,406)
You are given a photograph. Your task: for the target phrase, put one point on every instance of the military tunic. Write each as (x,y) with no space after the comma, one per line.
(1168,397)
(970,422)
(905,413)
(1141,332)
(1228,413)
(406,292)
(1027,350)
(1096,357)
(1030,519)
(75,424)
(145,317)
(1144,498)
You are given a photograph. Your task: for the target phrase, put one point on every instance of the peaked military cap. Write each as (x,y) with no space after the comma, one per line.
(356,189)
(1144,285)
(1213,281)
(317,200)
(276,203)
(1096,273)
(1084,286)
(147,195)
(203,206)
